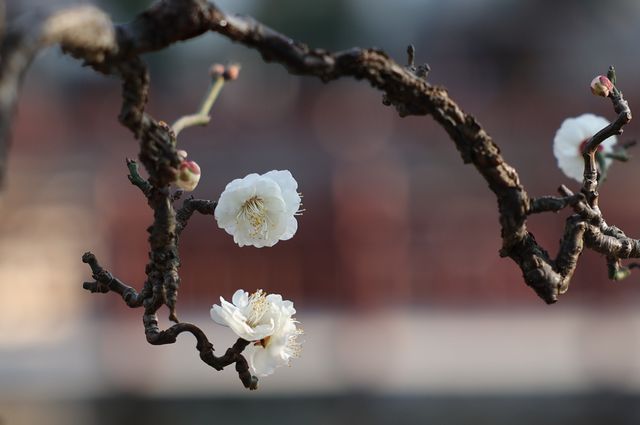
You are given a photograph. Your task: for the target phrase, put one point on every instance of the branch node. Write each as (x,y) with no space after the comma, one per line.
(411,54)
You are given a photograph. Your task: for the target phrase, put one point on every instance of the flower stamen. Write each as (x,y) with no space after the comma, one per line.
(255,213)
(294,347)
(258,306)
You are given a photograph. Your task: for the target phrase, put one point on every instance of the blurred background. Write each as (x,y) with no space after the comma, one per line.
(409,313)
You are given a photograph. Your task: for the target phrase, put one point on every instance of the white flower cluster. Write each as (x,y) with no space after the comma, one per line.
(260,210)
(570,140)
(265,320)
(257,210)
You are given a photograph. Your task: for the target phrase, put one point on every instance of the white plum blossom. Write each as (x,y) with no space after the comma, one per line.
(571,138)
(266,321)
(244,315)
(260,210)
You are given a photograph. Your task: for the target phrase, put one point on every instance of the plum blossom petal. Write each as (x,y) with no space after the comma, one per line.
(570,139)
(265,320)
(245,315)
(260,210)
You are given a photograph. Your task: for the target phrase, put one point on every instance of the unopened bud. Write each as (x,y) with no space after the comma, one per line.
(217,70)
(232,72)
(601,86)
(188,176)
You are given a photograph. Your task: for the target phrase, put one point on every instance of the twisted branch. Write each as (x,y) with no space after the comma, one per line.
(87,34)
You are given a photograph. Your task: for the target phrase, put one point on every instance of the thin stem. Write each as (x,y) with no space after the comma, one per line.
(202,117)
(136,179)
(591,173)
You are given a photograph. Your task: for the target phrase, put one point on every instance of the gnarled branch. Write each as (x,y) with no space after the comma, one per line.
(89,35)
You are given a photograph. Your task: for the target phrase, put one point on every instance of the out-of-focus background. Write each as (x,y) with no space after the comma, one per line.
(410,314)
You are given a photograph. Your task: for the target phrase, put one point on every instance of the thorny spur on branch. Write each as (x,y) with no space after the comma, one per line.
(87,34)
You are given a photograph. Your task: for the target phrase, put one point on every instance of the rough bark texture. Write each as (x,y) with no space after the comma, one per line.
(87,34)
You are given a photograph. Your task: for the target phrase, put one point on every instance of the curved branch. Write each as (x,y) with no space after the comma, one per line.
(591,174)
(105,282)
(89,35)
(205,348)
(190,206)
(410,94)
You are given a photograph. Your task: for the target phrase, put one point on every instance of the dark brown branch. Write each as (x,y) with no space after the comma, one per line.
(204,347)
(90,36)
(591,174)
(105,282)
(136,179)
(615,246)
(553,203)
(162,269)
(174,20)
(152,30)
(190,206)
(571,247)
(412,95)
(583,209)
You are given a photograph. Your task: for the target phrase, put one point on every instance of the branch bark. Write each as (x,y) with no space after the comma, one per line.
(87,34)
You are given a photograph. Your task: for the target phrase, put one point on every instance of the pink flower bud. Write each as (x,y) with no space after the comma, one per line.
(601,86)
(232,72)
(188,176)
(217,70)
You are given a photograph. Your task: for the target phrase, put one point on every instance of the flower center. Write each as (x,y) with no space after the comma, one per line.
(292,347)
(257,307)
(254,212)
(264,341)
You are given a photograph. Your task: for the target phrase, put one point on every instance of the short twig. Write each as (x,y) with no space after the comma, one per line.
(202,116)
(136,179)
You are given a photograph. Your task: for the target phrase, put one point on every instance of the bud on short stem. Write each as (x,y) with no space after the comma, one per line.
(601,86)
(232,72)
(188,175)
(229,72)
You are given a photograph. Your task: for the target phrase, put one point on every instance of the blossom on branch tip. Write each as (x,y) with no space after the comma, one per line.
(260,210)
(266,321)
(570,140)
(601,86)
